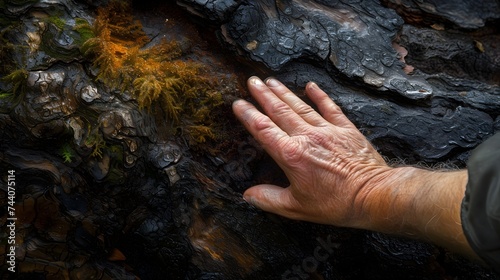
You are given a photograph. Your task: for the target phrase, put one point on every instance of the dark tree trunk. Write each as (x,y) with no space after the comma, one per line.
(128,162)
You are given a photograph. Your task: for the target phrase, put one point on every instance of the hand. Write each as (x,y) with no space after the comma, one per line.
(336,176)
(331,166)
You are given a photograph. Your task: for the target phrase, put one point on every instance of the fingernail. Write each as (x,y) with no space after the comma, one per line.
(235,102)
(248,199)
(313,85)
(256,81)
(272,82)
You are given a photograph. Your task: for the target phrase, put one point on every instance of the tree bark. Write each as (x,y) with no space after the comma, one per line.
(105,188)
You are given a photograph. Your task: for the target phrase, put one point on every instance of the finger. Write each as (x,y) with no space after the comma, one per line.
(267,133)
(298,105)
(274,107)
(274,199)
(328,109)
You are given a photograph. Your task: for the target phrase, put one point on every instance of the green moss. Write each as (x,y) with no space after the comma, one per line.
(57,25)
(52,49)
(13,86)
(84,31)
(17,80)
(57,21)
(67,153)
(7,64)
(6,95)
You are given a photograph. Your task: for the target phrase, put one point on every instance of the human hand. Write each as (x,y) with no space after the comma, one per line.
(332,168)
(337,177)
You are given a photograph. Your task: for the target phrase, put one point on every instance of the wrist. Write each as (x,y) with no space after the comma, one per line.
(389,200)
(419,203)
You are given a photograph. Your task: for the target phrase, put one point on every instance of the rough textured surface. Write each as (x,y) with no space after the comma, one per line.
(108,190)
(448,76)
(276,33)
(462,13)
(471,55)
(443,128)
(215,10)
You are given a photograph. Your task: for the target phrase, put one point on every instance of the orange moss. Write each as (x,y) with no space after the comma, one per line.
(155,75)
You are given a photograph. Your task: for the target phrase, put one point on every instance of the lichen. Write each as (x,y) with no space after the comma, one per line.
(159,75)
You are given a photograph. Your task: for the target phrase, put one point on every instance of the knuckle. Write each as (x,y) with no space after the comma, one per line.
(291,152)
(334,108)
(261,122)
(279,108)
(319,137)
(304,109)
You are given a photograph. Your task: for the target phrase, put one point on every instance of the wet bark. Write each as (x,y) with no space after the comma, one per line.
(111,190)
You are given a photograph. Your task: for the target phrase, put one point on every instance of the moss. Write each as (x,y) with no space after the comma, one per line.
(95,141)
(84,31)
(157,76)
(67,153)
(7,102)
(57,21)
(13,86)
(200,133)
(17,80)
(80,33)
(7,53)
(51,48)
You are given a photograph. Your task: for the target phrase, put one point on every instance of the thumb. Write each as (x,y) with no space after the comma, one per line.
(272,199)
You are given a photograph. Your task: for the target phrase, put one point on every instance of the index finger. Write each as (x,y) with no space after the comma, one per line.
(262,128)
(278,110)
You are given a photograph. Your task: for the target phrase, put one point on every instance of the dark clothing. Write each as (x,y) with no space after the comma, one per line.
(481,205)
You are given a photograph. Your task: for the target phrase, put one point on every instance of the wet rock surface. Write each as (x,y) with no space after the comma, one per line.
(107,189)
(276,33)
(464,14)
(470,56)
(396,81)
(464,122)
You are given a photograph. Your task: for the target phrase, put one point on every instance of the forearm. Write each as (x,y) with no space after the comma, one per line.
(421,204)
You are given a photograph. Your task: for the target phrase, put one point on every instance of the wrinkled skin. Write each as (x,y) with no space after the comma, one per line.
(336,176)
(329,163)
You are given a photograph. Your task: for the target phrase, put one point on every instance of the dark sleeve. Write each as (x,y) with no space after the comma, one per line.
(480,211)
